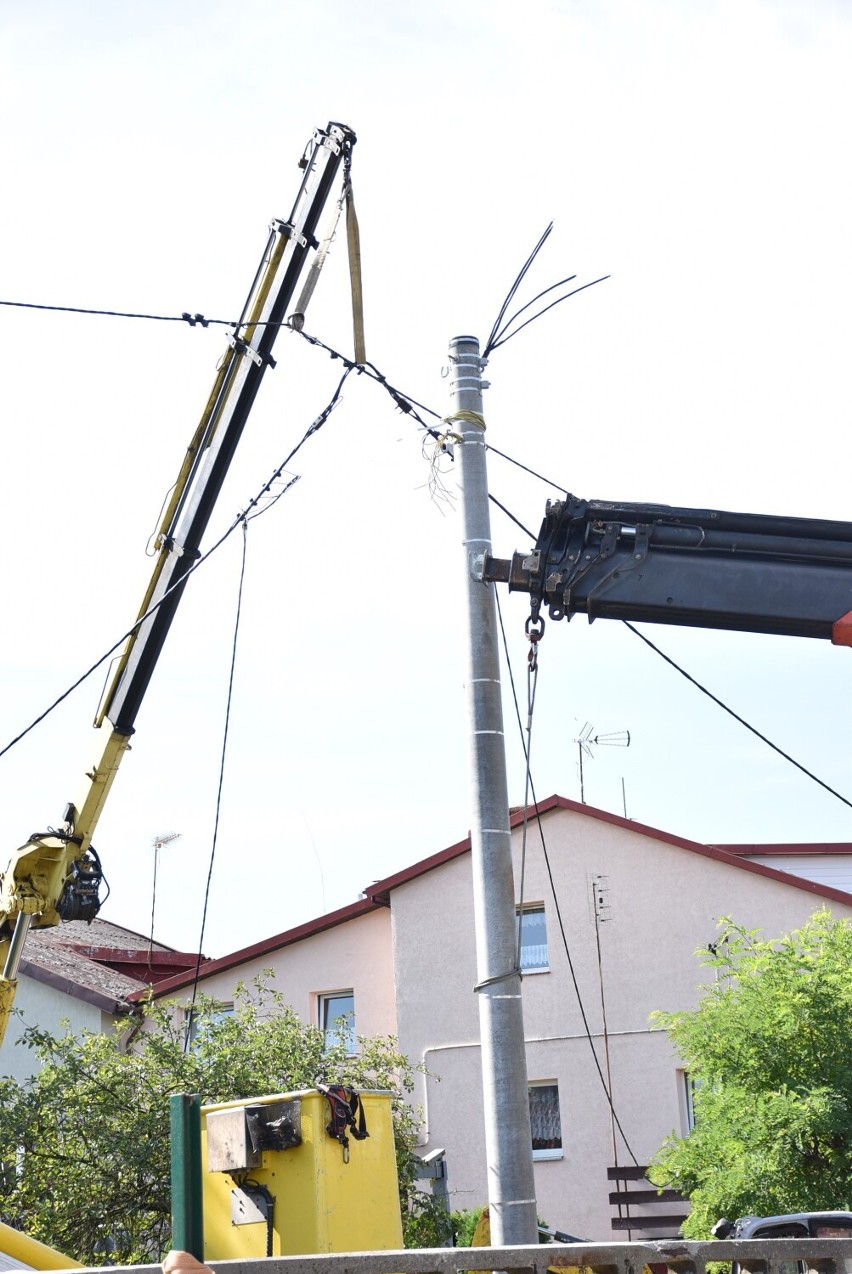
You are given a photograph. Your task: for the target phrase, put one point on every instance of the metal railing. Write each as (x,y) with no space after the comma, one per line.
(755,1256)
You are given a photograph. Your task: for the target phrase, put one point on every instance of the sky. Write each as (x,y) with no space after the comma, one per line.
(694,153)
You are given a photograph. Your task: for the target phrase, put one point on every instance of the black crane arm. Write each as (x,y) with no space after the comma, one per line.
(704,568)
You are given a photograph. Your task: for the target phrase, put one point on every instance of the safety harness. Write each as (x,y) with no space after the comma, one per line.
(346,1115)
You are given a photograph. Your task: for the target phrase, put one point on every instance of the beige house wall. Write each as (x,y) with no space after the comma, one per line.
(661,903)
(50,1009)
(353,956)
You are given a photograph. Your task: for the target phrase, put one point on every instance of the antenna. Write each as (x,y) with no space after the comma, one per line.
(157,844)
(602,907)
(586,741)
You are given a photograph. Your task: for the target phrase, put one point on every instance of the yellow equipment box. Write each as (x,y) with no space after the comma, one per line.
(282,1176)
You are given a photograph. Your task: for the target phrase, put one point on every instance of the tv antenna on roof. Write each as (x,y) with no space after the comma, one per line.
(586,741)
(157,844)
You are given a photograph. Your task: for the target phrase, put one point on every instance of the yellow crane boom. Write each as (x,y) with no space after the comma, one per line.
(56,875)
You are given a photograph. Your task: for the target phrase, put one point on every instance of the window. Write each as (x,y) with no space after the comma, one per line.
(337,1019)
(199,1021)
(545,1123)
(533,944)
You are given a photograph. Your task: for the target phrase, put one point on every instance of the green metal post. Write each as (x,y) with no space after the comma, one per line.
(187,1219)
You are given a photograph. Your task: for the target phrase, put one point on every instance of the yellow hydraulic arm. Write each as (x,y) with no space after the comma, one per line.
(56,874)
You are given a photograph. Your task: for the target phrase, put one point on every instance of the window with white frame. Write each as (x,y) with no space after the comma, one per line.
(337,1019)
(545,1122)
(533,937)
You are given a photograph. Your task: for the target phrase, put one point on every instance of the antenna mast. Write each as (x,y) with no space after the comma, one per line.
(586,741)
(157,844)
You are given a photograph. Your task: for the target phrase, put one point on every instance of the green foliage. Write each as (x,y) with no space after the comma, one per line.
(769,1047)
(464,1225)
(89,1134)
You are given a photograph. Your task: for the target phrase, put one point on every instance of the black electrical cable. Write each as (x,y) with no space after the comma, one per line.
(223,754)
(84,676)
(547,481)
(192,319)
(517,521)
(559,920)
(736,716)
(501,331)
(245,515)
(404,402)
(537,297)
(495,330)
(508,335)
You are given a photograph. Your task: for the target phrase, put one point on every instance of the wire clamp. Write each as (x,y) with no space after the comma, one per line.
(192,319)
(243,347)
(289,231)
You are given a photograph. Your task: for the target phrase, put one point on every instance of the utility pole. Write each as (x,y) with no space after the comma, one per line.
(508,1140)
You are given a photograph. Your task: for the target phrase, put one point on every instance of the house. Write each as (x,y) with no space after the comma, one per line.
(82,975)
(611,917)
(826,864)
(318,966)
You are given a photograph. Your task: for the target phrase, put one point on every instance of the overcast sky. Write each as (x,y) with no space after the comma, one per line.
(697,153)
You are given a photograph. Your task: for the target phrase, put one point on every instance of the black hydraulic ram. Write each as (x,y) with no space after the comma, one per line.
(698,567)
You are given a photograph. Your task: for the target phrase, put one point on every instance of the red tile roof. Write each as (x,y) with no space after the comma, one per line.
(380,889)
(100,963)
(378,893)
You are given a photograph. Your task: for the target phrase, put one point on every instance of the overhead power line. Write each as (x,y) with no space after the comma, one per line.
(194,320)
(405,402)
(253,509)
(775,748)
(547,481)
(218,809)
(410,406)
(587,1030)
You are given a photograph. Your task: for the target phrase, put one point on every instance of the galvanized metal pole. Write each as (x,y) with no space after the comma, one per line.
(508,1141)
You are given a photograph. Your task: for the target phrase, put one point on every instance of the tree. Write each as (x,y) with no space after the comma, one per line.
(85,1142)
(768,1049)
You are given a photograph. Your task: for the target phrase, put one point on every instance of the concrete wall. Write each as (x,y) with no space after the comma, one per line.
(661,902)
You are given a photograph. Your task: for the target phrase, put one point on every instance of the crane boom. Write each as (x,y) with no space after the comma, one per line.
(56,875)
(700,567)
